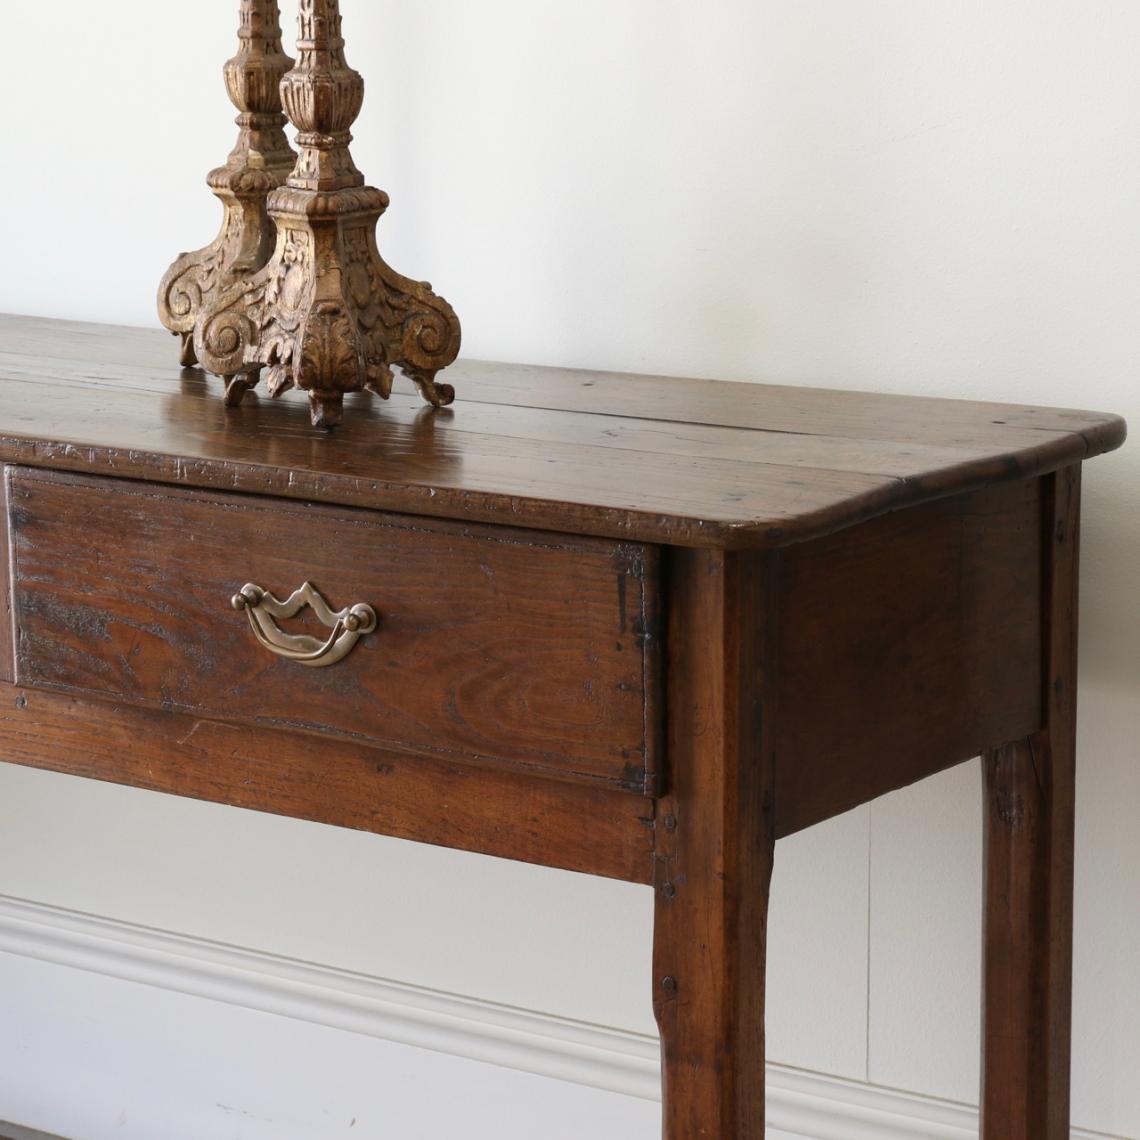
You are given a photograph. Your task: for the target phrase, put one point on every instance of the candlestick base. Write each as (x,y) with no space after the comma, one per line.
(328,315)
(196,280)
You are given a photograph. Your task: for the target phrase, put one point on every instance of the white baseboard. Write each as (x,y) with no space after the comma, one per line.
(810,1105)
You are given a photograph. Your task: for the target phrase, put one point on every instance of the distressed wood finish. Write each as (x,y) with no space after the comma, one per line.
(515,816)
(1028,938)
(715,841)
(779,465)
(888,671)
(854,590)
(496,646)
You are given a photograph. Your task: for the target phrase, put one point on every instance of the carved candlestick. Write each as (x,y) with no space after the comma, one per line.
(259,163)
(327,314)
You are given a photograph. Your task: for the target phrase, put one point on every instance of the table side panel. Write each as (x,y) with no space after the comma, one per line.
(495,646)
(595,830)
(908,644)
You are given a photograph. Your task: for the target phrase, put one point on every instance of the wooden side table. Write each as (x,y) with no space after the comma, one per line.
(634,627)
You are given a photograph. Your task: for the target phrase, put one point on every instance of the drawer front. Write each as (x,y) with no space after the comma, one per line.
(492,644)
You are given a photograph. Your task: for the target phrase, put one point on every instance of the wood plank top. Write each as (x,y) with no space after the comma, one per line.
(645,458)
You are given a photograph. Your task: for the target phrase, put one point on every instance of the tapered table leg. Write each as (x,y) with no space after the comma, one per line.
(715,840)
(1028,935)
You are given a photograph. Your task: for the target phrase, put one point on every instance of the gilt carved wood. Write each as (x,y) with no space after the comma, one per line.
(327,315)
(260,162)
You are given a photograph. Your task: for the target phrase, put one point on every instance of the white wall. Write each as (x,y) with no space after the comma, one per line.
(927,196)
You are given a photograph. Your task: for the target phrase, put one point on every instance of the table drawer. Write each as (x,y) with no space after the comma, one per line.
(492,644)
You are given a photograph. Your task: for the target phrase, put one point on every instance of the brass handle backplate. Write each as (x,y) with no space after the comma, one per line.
(347,626)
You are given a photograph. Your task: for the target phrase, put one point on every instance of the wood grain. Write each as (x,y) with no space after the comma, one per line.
(911,643)
(1029,836)
(552,449)
(499,646)
(581,828)
(715,842)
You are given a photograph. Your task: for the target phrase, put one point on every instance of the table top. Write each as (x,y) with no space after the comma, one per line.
(643,458)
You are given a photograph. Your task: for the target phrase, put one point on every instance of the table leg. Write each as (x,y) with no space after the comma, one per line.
(715,840)
(1029,785)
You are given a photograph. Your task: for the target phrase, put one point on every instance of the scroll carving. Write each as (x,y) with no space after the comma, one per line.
(327,314)
(259,163)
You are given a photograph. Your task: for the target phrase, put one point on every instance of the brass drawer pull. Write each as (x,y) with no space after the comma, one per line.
(348,625)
